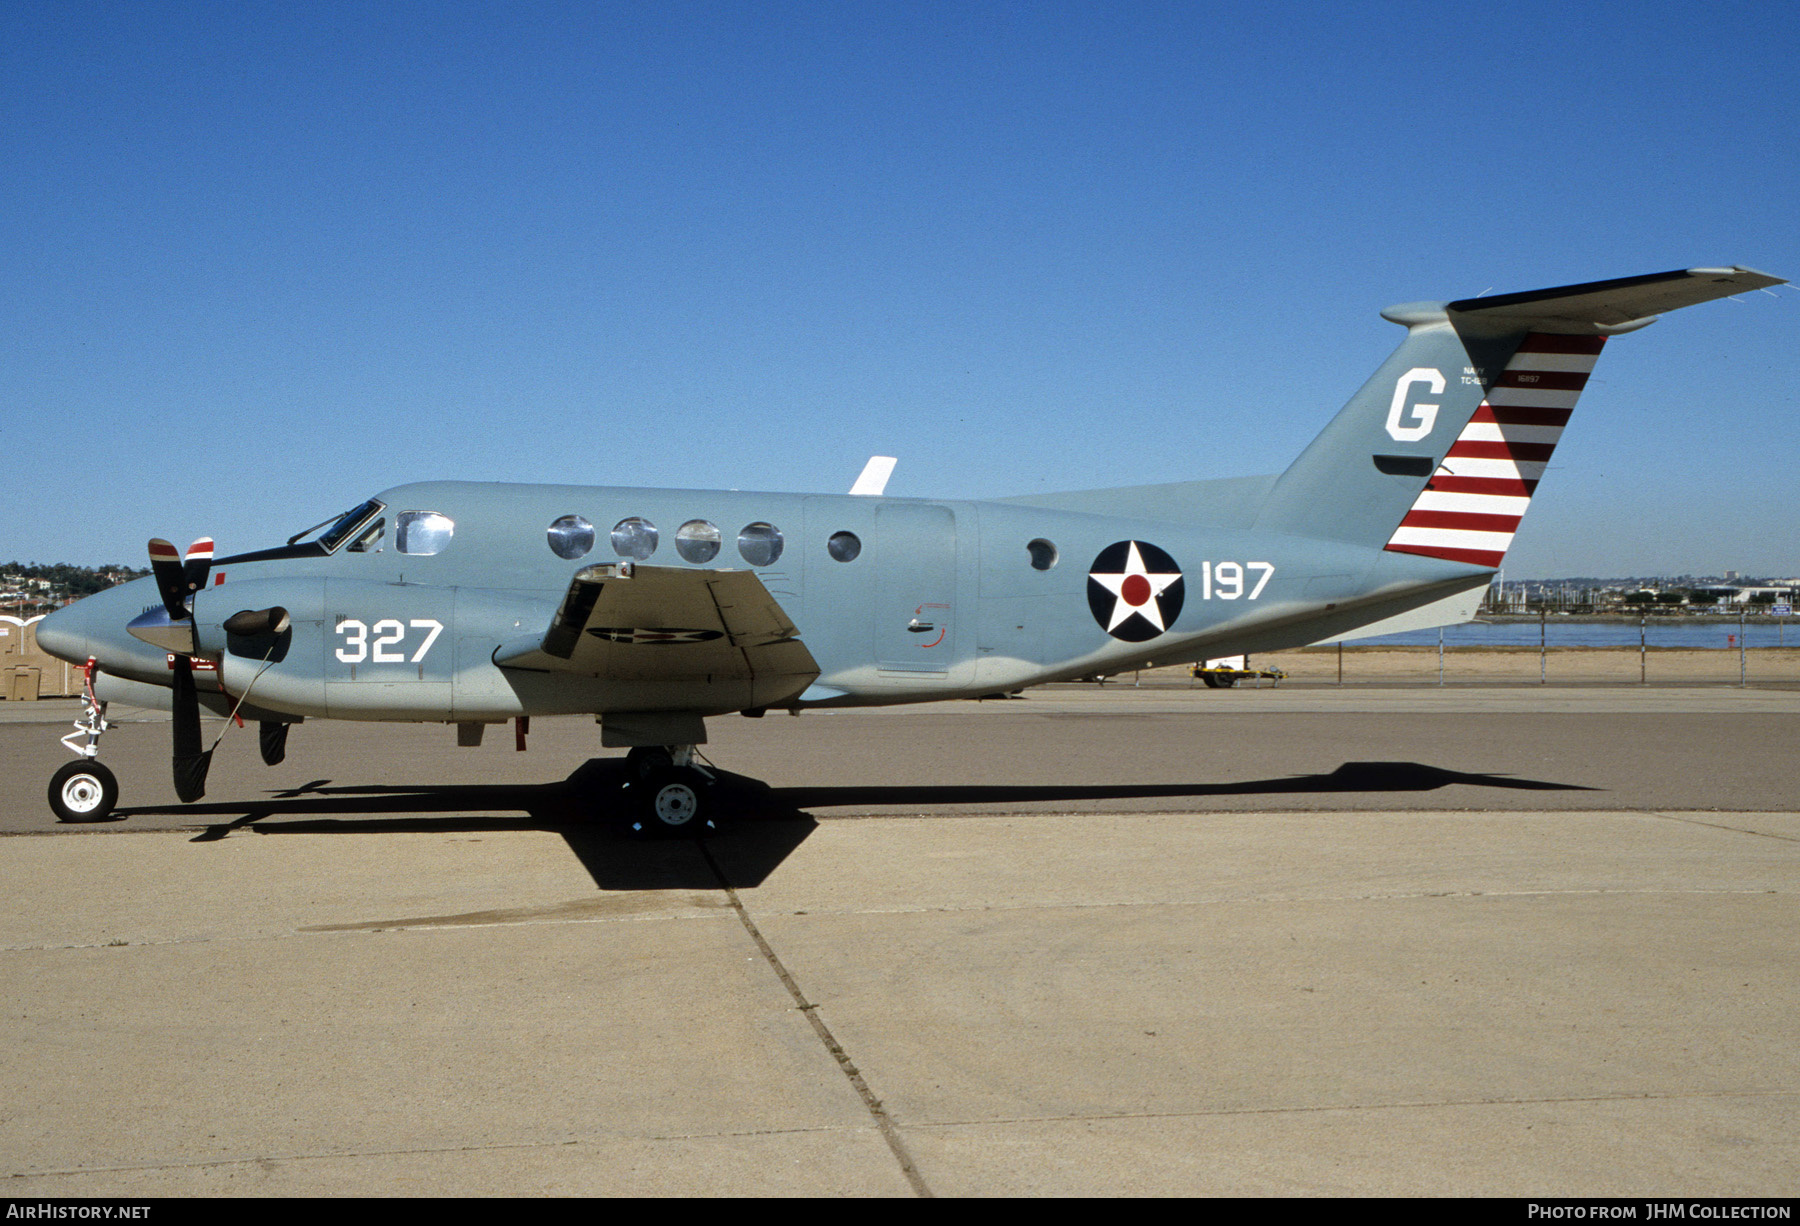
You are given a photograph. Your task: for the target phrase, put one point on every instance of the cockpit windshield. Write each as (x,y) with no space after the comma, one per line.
(342,527)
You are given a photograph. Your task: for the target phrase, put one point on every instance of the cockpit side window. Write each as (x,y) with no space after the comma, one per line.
(345,526)
(423,532)
(369,539)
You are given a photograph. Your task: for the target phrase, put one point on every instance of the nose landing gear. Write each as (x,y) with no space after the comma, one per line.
(84,790)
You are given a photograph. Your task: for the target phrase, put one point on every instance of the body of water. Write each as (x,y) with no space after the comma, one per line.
(1690,632)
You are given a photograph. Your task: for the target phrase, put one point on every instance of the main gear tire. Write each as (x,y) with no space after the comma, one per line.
(673,801)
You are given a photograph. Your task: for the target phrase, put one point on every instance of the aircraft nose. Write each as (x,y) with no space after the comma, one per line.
(95,625)
(68,633)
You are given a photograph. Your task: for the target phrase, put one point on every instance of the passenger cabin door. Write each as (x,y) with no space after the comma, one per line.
(915,612)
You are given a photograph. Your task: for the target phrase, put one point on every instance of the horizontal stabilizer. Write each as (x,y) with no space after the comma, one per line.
(1600,307)
(1455,610)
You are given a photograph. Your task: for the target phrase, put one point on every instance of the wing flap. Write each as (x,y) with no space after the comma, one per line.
(689,629)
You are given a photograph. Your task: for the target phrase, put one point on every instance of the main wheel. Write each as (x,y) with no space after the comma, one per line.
(1211,680)
(672,800)
(83,791)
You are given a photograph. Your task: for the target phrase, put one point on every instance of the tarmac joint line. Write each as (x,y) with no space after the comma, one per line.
(1645,1096)
(1694,821)
(889,1132)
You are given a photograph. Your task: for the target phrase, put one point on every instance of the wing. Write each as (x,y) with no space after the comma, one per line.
(704,630)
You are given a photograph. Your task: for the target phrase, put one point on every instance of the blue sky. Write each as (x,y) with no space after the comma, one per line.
(262,260)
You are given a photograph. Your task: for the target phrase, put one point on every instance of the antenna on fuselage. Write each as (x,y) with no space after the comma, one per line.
(875,475)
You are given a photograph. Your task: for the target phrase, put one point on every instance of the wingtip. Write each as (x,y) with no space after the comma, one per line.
(1749,278)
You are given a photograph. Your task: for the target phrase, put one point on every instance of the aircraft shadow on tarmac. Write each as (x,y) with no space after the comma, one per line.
(1362,777)
(771,822)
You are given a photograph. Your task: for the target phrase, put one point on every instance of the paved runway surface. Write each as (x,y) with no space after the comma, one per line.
(1160,941)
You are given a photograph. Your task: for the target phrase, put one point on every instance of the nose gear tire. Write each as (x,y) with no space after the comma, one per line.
(83,791)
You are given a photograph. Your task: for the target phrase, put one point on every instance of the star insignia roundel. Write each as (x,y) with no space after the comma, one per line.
(1135,590)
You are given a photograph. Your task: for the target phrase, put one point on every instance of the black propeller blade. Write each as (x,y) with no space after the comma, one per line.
(171,583)
(198,565)
(191,761)
(272,738)
(177,584)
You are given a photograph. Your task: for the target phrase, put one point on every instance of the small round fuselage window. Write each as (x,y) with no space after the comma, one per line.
(697,541)
(634,537)
(571,537)
(844,546)
(1043,554)
(760,543)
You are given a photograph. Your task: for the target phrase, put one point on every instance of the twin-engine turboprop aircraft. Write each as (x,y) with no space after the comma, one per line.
(472,603)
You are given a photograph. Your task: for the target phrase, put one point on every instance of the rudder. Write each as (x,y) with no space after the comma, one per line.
(1473,501)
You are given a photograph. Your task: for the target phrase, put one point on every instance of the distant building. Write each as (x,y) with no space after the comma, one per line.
(26,670)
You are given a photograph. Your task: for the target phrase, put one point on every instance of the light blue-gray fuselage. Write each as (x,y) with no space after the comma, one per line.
(941,600)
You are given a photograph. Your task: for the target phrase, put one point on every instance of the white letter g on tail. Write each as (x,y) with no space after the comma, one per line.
(1424,413)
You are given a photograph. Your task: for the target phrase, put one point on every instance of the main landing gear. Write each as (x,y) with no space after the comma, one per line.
(667,792)
(84,790)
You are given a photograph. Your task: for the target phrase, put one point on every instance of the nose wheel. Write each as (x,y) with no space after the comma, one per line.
(83,791)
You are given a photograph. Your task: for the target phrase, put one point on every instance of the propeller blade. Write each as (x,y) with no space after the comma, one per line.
(272,736)
(199,564)
(190,761)
(171,583)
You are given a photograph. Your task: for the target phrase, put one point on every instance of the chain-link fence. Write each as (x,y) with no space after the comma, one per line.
(1552,651)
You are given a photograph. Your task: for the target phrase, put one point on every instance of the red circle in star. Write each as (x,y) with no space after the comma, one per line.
(1135,590)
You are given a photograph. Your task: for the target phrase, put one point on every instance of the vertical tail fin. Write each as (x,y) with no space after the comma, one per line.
(1440,451)
(1472,504)
(1357,479)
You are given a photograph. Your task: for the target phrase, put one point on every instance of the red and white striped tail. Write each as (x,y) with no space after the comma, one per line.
(1473,503)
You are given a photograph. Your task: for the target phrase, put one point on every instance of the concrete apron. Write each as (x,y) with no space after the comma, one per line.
(1589,1004)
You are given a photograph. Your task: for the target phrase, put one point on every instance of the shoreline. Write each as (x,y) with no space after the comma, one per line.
(1619,619)
(1512,665)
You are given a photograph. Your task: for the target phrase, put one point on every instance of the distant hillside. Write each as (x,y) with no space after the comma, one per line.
(57,582)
